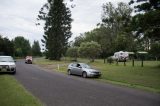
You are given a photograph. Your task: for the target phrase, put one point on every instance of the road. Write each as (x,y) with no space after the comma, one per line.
(57,89)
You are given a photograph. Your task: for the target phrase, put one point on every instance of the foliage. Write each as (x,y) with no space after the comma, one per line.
(89,50)
(125,42)
(110,60)
(73,52)
(117,19)
(103,36)
(155,50)
(6,46)
(114,33)
(36,50)
(79,40)
(22,46)
(147,21)
(57,28)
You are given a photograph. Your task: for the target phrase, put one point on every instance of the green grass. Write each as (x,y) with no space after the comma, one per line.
(147,77)
(13,94)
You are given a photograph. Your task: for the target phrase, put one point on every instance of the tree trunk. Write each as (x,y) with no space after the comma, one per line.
(104,60)
(156,58)
(142,63)
(133,62)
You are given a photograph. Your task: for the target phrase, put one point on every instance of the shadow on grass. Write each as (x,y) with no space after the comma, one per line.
(6,73)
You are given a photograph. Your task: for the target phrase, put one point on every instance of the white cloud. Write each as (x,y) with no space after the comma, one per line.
(18,17)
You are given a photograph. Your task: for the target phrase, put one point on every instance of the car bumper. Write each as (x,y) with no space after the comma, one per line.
(7,69)
(28,61)
(93,74)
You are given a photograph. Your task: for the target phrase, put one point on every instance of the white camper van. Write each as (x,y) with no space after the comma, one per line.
(121,56)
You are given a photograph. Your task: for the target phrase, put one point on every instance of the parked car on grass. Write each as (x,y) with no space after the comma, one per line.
(7,64)
(28,60)
(83,70)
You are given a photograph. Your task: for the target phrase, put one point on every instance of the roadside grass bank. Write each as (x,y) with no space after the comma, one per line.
(145,78)
(13,94)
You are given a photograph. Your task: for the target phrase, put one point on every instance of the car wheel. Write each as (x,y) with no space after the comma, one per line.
(69,72)
(84,75)
(14,72)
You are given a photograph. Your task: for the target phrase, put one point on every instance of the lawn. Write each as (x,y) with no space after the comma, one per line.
(13,94)
(147,77)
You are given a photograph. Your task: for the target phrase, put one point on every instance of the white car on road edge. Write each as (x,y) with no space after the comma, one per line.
(7,64)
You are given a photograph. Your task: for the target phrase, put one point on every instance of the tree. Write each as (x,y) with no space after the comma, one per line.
(79,40)
(102,36)
(73,52)
(147,20)
(36,50)
(22,46)
(89,50)
(6,46)
(155,50)
(57,28)
(125,42)
(117,19)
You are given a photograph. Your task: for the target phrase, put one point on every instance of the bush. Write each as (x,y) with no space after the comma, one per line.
(89,50)
(73,53)
(110,60)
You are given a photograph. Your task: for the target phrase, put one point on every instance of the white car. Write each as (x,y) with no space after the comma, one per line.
(83,70)
(28,60)
(7,64)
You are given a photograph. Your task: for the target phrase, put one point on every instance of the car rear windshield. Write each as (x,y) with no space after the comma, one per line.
(6,59)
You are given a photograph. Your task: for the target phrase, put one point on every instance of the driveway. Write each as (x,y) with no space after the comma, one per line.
(57,89)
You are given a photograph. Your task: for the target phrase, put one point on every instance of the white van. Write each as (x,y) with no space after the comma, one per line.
(120,56)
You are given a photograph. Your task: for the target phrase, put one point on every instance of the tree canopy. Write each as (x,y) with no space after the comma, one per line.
(22,46)
(147,20)
(89,50)
(6,46)
(73,52)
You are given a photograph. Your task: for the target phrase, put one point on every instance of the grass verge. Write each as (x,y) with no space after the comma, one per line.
(146,78)
(13,94)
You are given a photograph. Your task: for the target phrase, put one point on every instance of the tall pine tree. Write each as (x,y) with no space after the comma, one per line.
(57,28)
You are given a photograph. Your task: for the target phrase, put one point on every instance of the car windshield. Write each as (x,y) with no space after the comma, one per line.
(6,59)
(85,66)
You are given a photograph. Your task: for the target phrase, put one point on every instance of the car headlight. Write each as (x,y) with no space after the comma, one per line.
(7,67)
(91,71)
(12,66)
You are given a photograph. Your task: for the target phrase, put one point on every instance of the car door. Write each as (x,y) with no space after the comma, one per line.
(73,68)
(78,69)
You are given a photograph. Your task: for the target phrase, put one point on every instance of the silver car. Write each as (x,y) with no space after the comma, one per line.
(83,70)
(7,64)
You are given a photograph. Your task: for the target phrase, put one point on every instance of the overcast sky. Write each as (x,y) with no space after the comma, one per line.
(18,17)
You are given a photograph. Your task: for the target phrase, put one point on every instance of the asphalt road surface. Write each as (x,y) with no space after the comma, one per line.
(56,89)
